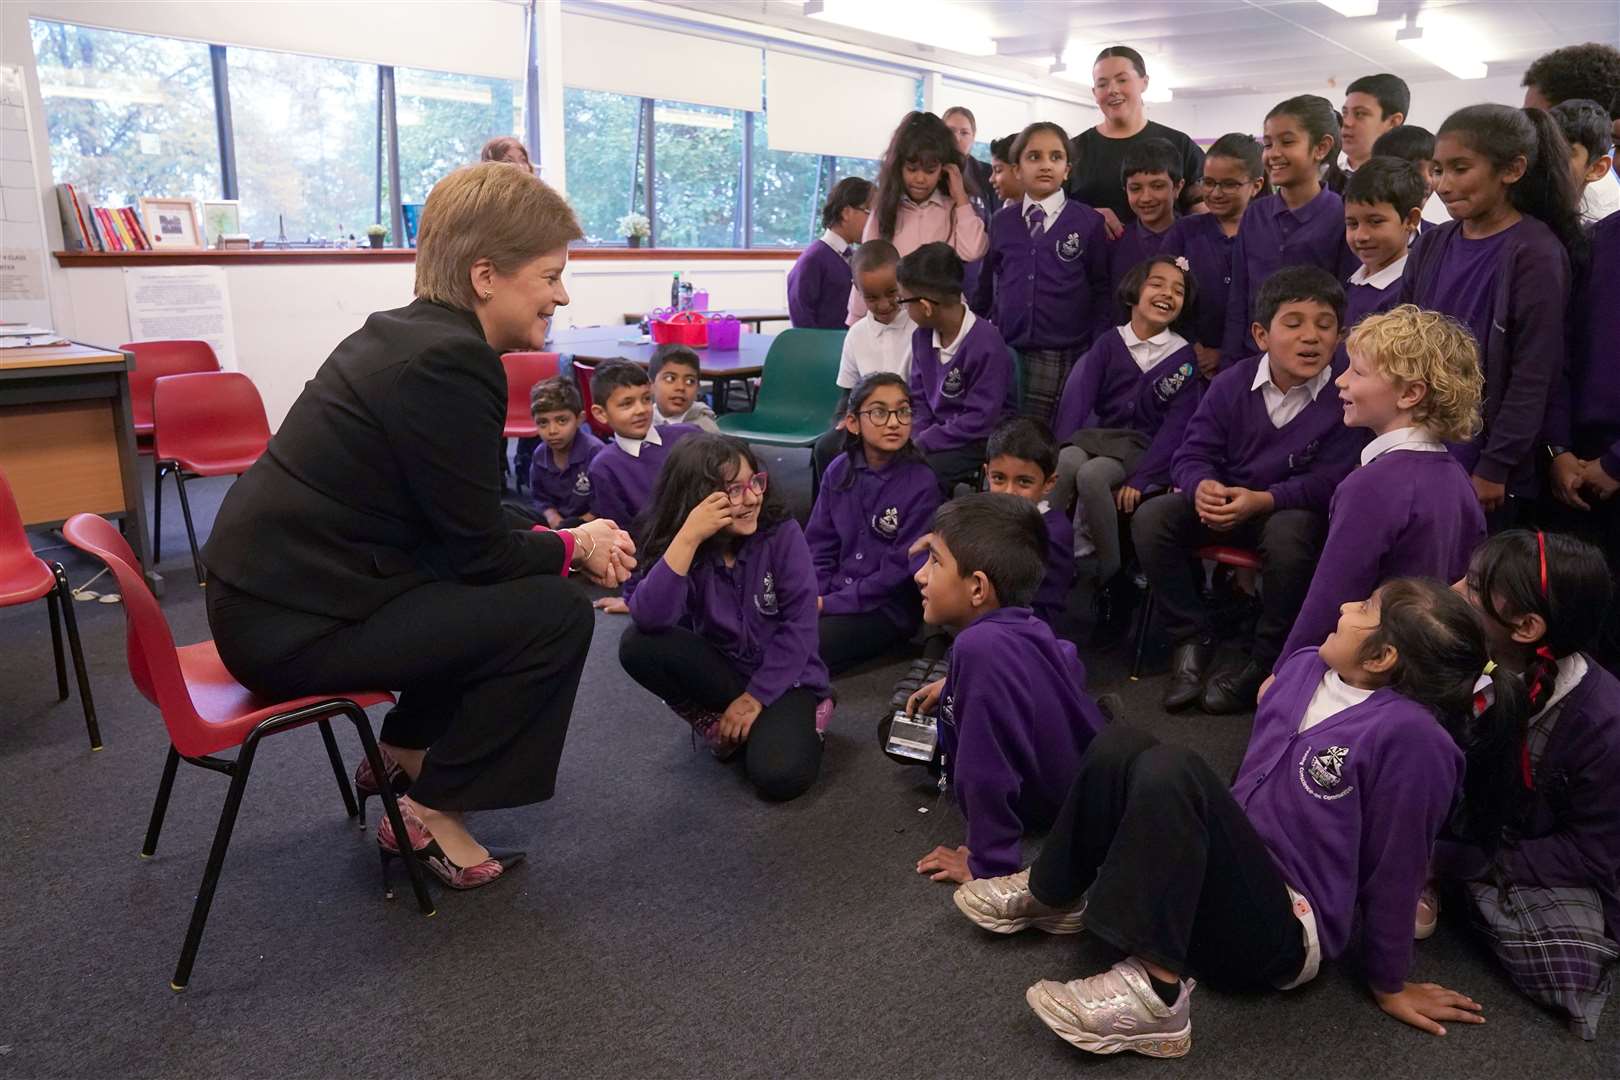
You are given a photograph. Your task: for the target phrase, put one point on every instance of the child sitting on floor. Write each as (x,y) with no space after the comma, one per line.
(622,475)
(1014,715)
(674,370)
(558,479)
(1021,459)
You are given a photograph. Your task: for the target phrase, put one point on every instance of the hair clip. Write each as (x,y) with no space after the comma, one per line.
(1182,264)
(1490,667)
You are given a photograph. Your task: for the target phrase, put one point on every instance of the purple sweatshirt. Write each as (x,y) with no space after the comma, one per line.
(1584,413)
(818,288)
(761,612)
(566,490)
(863,523)
(1367,299)
(960,402)
(1050,292)
(621,484)
(1136,243)
(1406,513)
(1350,810)
(1230,439)
(1158,402)
(1053,595)
(1209,252)
(1014,720)
(1271,237)
(1522,348)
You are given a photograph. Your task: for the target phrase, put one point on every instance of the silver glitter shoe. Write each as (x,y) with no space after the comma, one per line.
(1116,1010)
(1005,905)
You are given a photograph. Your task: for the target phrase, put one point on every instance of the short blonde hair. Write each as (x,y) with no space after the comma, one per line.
(1408,345)
(494,211)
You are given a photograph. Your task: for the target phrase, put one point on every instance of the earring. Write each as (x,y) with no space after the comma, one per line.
(488,295)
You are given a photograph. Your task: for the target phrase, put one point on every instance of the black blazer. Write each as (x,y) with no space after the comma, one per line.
(384,476)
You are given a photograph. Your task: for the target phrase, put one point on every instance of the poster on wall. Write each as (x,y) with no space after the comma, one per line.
(24,284)
(181,302)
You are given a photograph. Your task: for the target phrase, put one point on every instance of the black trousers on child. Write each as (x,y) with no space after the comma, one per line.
(957,465)
(1169,865)
(783,751)
(487,676)
(828,446)
(1166,531)
(847,640)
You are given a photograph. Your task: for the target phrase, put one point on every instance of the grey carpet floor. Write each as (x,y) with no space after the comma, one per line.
(667,923)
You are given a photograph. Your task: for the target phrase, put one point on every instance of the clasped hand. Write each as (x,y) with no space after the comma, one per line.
(1222,507)
(603,552)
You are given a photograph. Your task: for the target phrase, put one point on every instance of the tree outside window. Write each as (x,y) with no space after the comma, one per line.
(444,121)
(604,161)
(697,157)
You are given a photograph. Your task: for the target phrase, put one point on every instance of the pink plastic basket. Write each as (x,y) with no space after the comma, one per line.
(725,332)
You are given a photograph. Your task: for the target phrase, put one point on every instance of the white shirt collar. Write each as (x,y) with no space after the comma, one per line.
(1128,332)
(633,446)
(1147,352)
(1386,277)
(947,352)
(834,241)
(1052,204)
(901,323)
(1406,438)
(1262,377)
(1571,670)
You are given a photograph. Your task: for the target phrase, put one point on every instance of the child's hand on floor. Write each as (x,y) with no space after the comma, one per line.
(613,605)
(1424,1004)
(925,698)
(946,864)
(739,717)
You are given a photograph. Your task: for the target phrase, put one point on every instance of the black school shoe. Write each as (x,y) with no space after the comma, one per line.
(1233,690)
(1187,666)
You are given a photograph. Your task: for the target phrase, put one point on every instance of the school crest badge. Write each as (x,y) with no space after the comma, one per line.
(1068,248)
(952,387)
(887,524)
(582,484)
(765,599)
(1305,458)
(1167,387)
(1322,774)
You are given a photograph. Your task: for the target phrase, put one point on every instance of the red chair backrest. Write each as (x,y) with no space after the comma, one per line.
(212,415)
(582,376)
(523,370)
(14,547)
(155,359)
(153,662)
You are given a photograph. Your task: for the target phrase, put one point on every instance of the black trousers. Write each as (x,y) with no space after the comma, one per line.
(847,640)
(1170,867)
(1166,531)
(783,751)
(959,465)
(487,676)
(822,452)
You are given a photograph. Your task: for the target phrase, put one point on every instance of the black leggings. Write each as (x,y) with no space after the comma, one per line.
(1169,865)
(783,751)
(847,640)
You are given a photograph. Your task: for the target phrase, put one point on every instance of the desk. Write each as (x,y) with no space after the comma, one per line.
(748,316)
(597,344)
(67,442)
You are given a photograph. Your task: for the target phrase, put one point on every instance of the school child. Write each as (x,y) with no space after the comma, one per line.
(674,370)
(1590,71)
(725,618)
(1351,767)
(1004,181)
(961,372)
(876,500)
(923,197)
(1415,144)
(1141,384)
(1151,170)
(1301,224)
(1021,459)
(1013,713)
(1538,851)
(879,341)
(1232,179)
(1256,469)
(622,475)
(1501,267)
(1373,105)
(818,285)
(559,482)
(1383,204)
(1589,131)
(1045,279)
(1409,511)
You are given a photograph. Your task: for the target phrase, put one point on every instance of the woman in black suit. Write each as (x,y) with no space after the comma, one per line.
(369,548)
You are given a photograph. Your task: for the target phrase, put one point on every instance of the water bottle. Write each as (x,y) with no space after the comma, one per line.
(675,291)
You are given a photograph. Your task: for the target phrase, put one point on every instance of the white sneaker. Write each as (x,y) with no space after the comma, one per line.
(1428,914)
(1116,1010)
(1005,905)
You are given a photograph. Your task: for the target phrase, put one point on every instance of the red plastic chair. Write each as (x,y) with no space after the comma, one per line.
(1239,558)
(24,578)
(207,711)
(153,360)
(582,376)
(523,370)
(213,424)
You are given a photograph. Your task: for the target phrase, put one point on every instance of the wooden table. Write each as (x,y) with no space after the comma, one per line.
(748,316)
(597,344)
(67,441)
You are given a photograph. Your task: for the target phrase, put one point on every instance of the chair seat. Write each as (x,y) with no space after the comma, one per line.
(230,709)
(1231,556)
(750,427)
(233,465)
(24,580)
(521,431)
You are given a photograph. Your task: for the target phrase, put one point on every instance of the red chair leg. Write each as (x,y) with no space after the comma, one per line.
(65,592)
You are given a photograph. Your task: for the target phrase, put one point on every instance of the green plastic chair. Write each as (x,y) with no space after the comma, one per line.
(798,391)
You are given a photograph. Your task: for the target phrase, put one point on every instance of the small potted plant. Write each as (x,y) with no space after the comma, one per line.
(376,233)
(633,227)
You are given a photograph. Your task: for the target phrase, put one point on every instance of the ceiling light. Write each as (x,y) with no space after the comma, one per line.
(1352,9)
(1448,43)
(957,25)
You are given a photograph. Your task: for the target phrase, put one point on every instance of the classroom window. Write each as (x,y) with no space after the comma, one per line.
(444,121)
(306,143)
(789,190)
(127,114)
(697,159)
(605,175)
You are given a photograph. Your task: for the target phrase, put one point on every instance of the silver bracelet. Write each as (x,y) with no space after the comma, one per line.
(577,556)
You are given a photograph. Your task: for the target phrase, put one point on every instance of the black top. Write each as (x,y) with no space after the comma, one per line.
(384,476)
(1095,178)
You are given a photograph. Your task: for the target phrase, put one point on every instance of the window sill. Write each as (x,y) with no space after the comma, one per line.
(304,256)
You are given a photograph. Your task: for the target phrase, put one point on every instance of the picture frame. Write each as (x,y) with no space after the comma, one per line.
(220,217)
(172,224)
